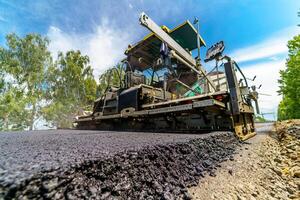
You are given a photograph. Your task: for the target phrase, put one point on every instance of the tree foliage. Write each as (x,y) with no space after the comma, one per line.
(24,64)
(13,110)
(72,89)
(289,107)
(35,89)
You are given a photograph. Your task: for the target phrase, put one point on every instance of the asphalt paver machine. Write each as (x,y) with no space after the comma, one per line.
(164,88)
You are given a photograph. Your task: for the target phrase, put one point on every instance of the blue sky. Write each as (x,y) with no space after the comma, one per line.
(255,32)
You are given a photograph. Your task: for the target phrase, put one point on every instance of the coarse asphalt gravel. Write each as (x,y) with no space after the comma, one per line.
(25,153)
(75,164)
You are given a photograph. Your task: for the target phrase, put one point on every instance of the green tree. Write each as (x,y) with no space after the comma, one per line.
(260,118)
(23,67)
(13,110)
(72,89)
(289,107)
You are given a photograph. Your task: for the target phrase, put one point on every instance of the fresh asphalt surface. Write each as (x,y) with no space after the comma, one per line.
(26,153)
(23,154)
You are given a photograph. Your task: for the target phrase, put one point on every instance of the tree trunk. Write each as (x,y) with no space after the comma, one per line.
(32,117)
(6,122)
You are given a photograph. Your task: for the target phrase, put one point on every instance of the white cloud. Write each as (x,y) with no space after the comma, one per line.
(105,47)
(268,57)
(267,74)
(274,58)
(275,45)
(262,50)
(60,41)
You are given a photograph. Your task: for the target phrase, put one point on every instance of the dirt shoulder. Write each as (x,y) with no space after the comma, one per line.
(266,168)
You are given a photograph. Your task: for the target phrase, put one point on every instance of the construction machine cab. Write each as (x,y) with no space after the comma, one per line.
(150,61)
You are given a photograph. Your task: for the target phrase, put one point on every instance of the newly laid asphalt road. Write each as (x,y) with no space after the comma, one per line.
(22,154)
(76,164)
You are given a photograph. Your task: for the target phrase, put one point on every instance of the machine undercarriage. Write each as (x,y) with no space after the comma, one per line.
(163,88)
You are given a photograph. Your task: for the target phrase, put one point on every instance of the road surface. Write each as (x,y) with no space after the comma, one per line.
(26,153)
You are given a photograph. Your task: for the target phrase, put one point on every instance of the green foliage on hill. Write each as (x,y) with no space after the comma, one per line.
(289,107)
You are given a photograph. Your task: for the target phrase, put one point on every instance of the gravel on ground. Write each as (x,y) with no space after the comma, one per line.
(108,165)
(25,153)
(266,168)
(68,164)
